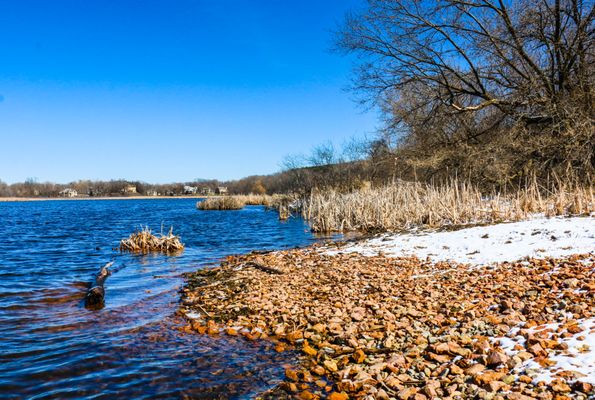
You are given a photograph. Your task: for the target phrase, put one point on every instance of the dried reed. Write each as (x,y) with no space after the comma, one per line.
(221,203)
(237,202)
(143,241)
(404,205)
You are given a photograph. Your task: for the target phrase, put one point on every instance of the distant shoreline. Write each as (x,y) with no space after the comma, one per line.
(24,199)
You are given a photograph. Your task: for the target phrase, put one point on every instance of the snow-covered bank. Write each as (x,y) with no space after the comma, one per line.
(541,237)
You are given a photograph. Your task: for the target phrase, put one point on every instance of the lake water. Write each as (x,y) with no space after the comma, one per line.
(52,347)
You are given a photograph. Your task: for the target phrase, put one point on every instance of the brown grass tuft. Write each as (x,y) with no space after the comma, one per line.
(144,241)
(221,203)
(403,205)
(237,202)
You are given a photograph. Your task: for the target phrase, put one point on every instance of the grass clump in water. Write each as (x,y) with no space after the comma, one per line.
(144,241)
(222,203)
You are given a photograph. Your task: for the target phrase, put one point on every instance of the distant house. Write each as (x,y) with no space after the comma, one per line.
(68,192)
(152,192)
(221,190)
(190,189)
(206,191)
(129,189)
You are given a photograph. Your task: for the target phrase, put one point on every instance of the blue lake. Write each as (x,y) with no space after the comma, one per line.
(52,347)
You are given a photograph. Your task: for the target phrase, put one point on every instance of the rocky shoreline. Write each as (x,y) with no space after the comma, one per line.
(373,327)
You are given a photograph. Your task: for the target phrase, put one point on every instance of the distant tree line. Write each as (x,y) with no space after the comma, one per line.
(88,188)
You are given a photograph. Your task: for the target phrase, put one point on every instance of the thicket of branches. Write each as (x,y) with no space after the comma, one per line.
(494,90)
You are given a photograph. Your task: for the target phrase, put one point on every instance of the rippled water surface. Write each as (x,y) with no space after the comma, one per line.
(52,347)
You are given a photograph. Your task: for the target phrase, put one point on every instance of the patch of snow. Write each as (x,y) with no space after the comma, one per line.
(579,358)
(538,238)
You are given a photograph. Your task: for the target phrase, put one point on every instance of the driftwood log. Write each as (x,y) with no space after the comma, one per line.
(96,295)
(263,268)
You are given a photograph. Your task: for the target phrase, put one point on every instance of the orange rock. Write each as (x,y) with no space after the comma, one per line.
(584,387)
(496,358)
(280,348)
(330,365)
(309,350)
(475,369)
(397,360)
(441,348)
(307,377)
(294,336)
(560,387)
(455,369)
(441,358)
(318,370)
(487,377)
(338,396)
(430,388)
(575,329)
(455,348)
(537,350)
(306,395)
(359,356)
(524,355)
(407,393)
(496,386)
(291,374)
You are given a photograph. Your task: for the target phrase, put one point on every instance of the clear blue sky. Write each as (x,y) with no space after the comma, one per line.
(166,91)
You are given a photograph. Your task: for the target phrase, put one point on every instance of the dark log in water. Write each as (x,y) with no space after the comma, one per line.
(96,295)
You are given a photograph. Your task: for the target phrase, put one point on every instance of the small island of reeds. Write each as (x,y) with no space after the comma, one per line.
(144,241)
(237,202)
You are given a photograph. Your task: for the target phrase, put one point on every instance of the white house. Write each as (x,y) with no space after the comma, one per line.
(129,189)
(68,192)
(190,189)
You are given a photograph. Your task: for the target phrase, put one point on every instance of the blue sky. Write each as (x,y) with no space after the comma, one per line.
(166,91)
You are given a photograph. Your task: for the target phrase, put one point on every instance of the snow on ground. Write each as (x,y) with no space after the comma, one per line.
(540,237)
(578,358)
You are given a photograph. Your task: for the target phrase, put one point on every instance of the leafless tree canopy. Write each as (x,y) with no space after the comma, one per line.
(513,78)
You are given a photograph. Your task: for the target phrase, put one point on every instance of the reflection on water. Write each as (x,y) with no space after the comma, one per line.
(52,347)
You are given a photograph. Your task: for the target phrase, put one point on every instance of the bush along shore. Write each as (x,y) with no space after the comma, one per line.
(374,327)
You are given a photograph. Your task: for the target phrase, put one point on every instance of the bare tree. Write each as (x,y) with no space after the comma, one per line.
(465,71)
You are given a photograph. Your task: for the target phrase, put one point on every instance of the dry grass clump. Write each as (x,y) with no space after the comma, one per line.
(144,241)
(403,205)
(258,199)
(221,203)
(237,202)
